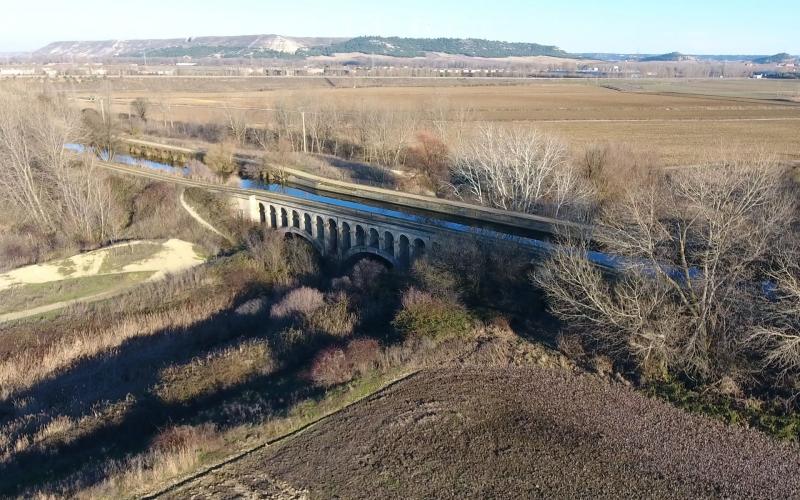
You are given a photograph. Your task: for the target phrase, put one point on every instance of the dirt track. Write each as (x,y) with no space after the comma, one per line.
(515,433)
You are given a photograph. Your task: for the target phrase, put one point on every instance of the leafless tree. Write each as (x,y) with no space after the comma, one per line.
(49,186)
(521,170)
(141,108)
(777,338)
(236,121)
(691,256)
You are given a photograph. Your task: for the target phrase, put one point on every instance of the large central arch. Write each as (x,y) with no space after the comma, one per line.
(354,252)
(302,234)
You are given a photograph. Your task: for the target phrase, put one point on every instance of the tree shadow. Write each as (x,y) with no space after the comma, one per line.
(363,173)
(129,373)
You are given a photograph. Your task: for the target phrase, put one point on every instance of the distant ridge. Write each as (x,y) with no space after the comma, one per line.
(207,46)
(417,47)
(783,57)
(277,46)
(671,57)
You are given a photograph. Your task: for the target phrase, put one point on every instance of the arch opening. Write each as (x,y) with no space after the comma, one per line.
(320,229)
(333,236)
(295,219)
(307,224)
(404,250)
(388,243)
(418,249)
(361,236)
(374,239)
(284,218)
(346,238)
(273,217)
(349,263)
(262,213)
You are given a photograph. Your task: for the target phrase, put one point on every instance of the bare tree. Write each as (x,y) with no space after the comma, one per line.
(141,108)
(777,338)
(236,121)
(521,170)
(48,185)
(690,255)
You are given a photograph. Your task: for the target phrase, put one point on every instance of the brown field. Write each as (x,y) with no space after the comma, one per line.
(681,121)
(512,433)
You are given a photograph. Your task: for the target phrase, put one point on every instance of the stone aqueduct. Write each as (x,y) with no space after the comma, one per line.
(341,233)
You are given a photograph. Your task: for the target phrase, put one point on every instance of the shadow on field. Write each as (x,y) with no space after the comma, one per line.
(129,373)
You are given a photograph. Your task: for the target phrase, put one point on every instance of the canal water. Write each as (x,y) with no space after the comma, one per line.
(521,236)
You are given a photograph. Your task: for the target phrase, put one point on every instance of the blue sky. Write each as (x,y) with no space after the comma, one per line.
(709,26)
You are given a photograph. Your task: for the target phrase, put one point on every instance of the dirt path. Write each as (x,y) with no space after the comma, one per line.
(35,311)
(194,215)
(514,433)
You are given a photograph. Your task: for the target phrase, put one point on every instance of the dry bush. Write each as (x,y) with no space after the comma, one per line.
(173,439)
(220,158)
(176,450)
(431,157)
(330,367)
(280,261)
(140,107)
(615,169)
(366,275)
(46,185)
(299,302)
(44,360)
(333,319)
(334,366)
(216,371)
(434,317)
(521,170)
(201,171)
(777,337)
(692,253)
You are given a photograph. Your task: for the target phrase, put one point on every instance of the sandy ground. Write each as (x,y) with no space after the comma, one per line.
(512,433)
(173,257)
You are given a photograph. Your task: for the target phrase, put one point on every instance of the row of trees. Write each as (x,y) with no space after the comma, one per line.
(45,185)
(510,168)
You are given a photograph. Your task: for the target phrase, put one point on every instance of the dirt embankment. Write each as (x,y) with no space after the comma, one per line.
(514,433)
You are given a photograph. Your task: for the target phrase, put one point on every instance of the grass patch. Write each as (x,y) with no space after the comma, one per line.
(67,267)
(25,297)
(118,257)
(749,413)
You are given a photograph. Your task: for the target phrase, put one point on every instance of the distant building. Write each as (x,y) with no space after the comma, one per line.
(17,71)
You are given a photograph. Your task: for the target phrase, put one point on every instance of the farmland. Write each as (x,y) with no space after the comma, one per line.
(681,122)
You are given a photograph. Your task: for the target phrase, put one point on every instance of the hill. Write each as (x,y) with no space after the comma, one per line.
(671,57)
(774,59)
(417,47)
(221,46)
(276,46)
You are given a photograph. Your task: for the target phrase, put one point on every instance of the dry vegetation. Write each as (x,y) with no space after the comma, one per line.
(524,433)
(123,395)
(679,120)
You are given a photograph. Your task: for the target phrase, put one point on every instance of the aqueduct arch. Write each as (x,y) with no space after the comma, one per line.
(342,236)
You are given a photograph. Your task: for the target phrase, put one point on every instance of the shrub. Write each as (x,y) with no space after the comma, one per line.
(330,367)
(335,365)
(334,318)
(220,159)
(181,437)
(300,302)
(430,156)
(425,315)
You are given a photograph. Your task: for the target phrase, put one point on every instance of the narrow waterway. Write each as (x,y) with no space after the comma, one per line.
(529,238)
